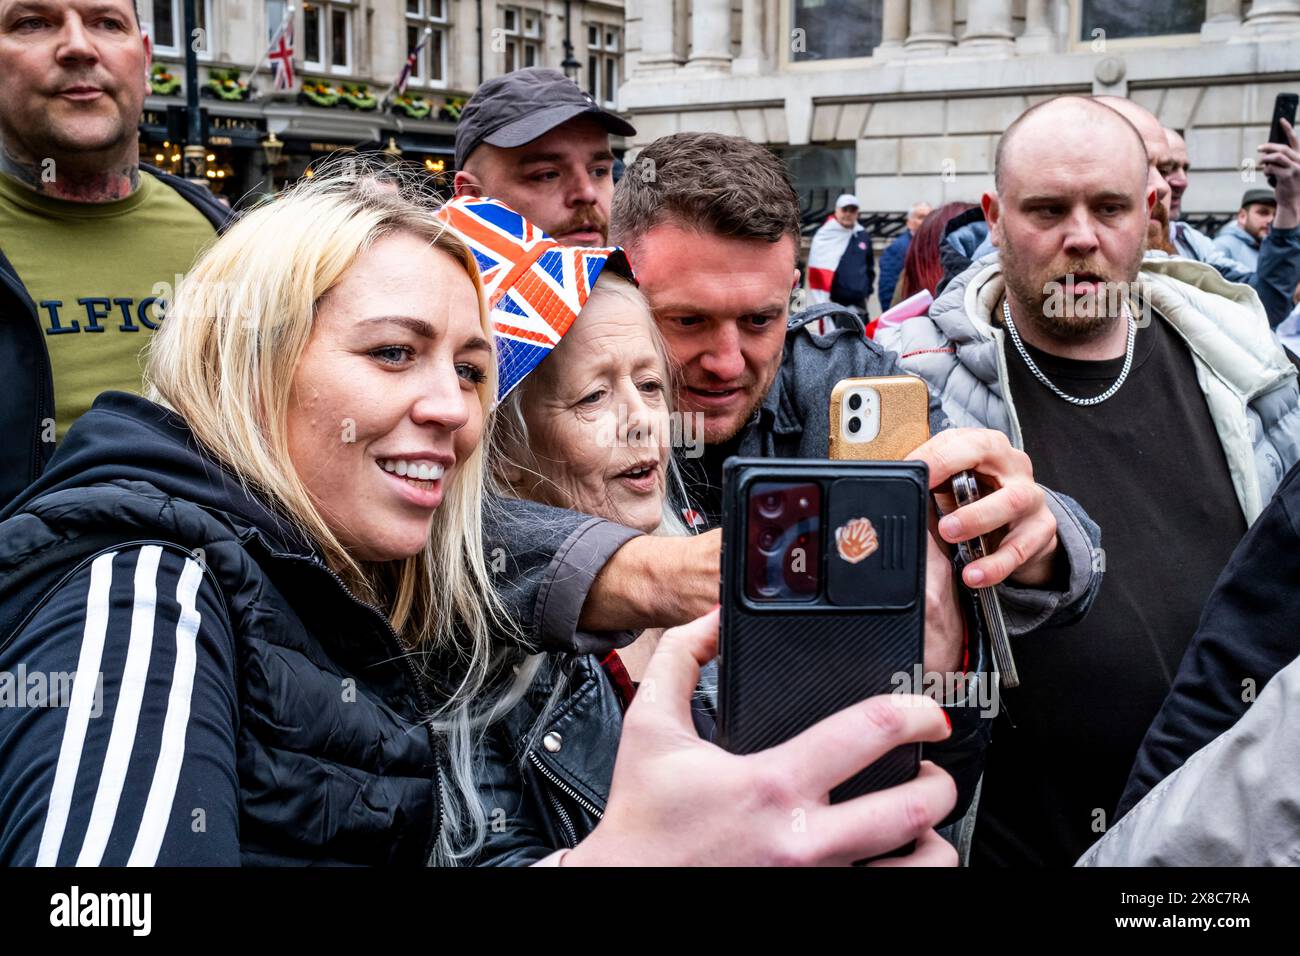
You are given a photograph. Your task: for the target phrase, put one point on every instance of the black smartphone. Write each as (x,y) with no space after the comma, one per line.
(1284,107)
(823,599)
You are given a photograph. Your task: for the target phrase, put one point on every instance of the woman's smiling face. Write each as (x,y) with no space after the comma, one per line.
(597,416)
(385,401)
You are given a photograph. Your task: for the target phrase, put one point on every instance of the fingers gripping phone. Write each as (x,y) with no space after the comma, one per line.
(886,418)
(1284,107)
(823,577)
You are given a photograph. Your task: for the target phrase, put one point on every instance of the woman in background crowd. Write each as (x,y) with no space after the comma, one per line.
(922,267)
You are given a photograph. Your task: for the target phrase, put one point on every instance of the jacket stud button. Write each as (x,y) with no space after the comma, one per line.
(552,742)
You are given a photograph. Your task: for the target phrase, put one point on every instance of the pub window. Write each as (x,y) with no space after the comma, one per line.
(327,36)
(167,27)
(431,65)
(275,10)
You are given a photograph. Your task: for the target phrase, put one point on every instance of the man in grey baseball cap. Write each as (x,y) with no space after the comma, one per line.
(535,141)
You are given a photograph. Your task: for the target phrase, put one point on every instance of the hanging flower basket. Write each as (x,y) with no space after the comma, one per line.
(358,96)
(226,85)
(451,108)
(416,107)
(163,82)
(318,93)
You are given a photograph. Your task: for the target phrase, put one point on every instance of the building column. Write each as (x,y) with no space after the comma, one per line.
(988,26)
(1268,13)
(656,38)
(1222,19)
(752,55)
(710,35)
(893,33)
(931,27)
(1039,35)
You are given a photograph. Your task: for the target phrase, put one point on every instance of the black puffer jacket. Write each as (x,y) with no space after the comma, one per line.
(25,360)
(248,708)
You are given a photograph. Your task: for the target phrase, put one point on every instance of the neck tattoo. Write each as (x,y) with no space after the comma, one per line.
(48,178)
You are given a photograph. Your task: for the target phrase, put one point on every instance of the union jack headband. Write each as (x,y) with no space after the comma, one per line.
(535,287)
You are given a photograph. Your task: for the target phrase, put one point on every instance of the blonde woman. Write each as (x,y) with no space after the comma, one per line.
(263,595)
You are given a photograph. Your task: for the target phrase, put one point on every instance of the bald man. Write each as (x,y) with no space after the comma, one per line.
(1179,166)
(1094,379)
(1279,257)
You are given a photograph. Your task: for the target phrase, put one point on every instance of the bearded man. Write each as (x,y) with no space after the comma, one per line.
(1081,351)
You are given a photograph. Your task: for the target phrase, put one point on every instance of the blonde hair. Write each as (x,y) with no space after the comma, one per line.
(224,360)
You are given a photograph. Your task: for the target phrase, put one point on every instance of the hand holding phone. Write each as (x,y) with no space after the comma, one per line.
(823,574)
(889,418)
(1284,108)
(677,800)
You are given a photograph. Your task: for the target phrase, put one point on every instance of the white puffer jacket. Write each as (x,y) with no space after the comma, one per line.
(1249,385)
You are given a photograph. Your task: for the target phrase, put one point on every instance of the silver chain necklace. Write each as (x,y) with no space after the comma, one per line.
(1073,400)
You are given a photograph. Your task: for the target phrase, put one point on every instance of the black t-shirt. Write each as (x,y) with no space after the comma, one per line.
(1148,467)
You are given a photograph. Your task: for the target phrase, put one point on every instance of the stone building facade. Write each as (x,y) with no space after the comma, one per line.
(904,100)
(362,44)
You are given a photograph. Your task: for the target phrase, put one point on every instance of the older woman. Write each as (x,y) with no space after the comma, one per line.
(589,429)
(265,588)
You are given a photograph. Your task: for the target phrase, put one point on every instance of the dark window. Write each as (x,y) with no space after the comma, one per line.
(1123,18)
(819,174)
(164,25)
(435,56)
(339,34)
(311,25)
(413,37)
(834,29)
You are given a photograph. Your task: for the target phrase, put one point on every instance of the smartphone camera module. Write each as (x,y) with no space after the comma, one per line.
(861,421)
(783,541)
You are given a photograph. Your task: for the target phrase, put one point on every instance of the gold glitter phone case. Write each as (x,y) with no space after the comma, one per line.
(879,418)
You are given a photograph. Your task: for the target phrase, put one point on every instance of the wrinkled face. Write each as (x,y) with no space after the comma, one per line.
(721,305)
(562,182)
(1070,224)
(385,402)
(1257,219)
(597,417)
(847,216)
(917,216)
(74,76)
(1176,172)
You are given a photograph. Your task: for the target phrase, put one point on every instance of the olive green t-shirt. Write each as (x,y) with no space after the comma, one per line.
(99,274)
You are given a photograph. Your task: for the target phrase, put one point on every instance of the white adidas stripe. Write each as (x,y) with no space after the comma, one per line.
(167,772)
(126,715)
(83,697)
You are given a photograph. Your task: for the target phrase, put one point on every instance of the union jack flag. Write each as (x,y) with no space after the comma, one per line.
(534,286)
(281,56)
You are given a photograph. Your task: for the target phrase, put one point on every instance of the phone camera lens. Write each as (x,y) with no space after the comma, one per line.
(855,425)
(771,505)
(768,538)
(855,401)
